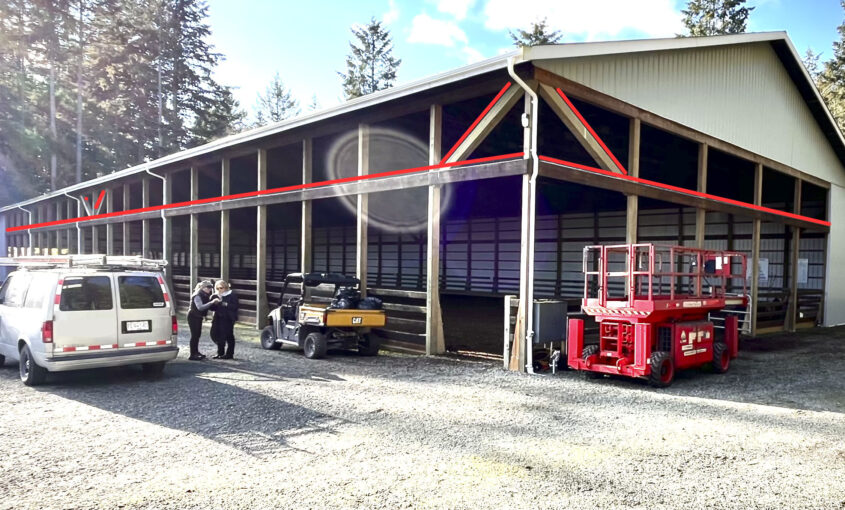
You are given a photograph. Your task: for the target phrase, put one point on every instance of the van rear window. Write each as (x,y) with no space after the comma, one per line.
(140,292)
(81,293)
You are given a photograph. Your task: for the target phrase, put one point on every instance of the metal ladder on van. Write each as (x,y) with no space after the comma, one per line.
(85,261)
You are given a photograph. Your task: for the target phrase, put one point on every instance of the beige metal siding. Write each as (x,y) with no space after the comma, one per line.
(740,94)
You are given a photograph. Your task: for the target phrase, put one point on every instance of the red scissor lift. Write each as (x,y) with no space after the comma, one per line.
(651,304)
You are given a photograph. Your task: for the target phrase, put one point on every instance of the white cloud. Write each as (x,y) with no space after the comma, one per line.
(590,21)
(471,54)
(391,15)
(427,30)
(457,8)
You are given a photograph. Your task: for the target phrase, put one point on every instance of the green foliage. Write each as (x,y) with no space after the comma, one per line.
(136,74)
(276,104)
(715,17)
(370,65)
(537,34)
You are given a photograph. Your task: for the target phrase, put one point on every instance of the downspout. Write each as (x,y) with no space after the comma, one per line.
(78,228)
(532,213)
(29,230)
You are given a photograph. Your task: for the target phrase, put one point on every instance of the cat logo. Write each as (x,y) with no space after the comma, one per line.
(357,320)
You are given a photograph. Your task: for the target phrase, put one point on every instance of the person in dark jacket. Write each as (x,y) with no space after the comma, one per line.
(201,302)
(223,323)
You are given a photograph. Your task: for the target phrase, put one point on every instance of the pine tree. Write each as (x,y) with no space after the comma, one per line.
(811,63)
(223,117)
(276,104)
(314,105)
(370,66)
(715,17)
(831,79)
(538,33)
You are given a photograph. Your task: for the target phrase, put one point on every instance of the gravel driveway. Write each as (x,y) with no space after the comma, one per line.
(275,430)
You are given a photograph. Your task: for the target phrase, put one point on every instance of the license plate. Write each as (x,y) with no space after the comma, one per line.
(137,326)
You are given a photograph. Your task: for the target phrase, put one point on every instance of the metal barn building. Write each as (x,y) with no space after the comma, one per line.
(446,194)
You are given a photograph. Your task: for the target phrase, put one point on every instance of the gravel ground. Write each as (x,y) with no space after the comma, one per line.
(275,430)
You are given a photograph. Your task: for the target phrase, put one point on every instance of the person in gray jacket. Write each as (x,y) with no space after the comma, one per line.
(201,302)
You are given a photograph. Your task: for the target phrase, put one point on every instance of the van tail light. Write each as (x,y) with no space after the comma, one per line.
(174,325)
(47,332)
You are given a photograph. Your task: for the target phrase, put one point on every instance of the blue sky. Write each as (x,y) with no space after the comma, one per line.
(307,42)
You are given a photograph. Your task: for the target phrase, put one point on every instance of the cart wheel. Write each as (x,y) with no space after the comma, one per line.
(315,346)
(586,353)
(268,339)
(662,369)
(721,357)
(368,345)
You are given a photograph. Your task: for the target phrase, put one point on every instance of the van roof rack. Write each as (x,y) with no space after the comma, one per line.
(114,262)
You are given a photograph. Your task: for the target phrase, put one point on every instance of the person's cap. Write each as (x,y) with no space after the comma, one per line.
(207,283)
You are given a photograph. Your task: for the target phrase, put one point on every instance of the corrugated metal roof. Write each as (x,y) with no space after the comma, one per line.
(787,52)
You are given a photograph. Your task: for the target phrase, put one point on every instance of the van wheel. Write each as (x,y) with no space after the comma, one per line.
(31,373)
(368,345)
(315,346)
(268,339)
(153,369)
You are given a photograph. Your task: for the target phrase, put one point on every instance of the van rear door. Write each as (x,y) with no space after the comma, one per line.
(86,316)
(144,318)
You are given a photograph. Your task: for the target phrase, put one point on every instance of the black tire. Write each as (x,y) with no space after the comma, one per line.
(315,346)
(586,353)
(31,373)
(662,369)
(268,339)
(368,345)
(153,369)
(721,358)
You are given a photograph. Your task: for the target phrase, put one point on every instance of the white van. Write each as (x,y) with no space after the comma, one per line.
(86,316)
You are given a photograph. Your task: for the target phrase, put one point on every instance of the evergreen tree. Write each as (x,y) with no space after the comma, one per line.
(811,63)
(370,66)
(94,86)
(314,105)
(276,104)
(715,17)
(223,117)
(538,33)
(831,80)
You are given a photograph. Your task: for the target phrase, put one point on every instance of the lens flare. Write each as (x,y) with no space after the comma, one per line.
(398,211)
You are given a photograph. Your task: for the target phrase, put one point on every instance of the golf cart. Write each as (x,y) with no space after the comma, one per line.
(315,327)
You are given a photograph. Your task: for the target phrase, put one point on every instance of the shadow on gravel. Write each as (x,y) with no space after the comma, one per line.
(196,397)
(800,371)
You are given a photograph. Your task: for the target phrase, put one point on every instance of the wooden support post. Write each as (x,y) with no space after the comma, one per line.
(146,249)
(634,131)
(224,221)
(435,343)
(71,246)
(194,234)
(261,305)
(110,227)
(792,319)
(167,228)
(362,208)
(60,243)
(95,238)
(305,238)
(755,248)
(127,205)
(701,214)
